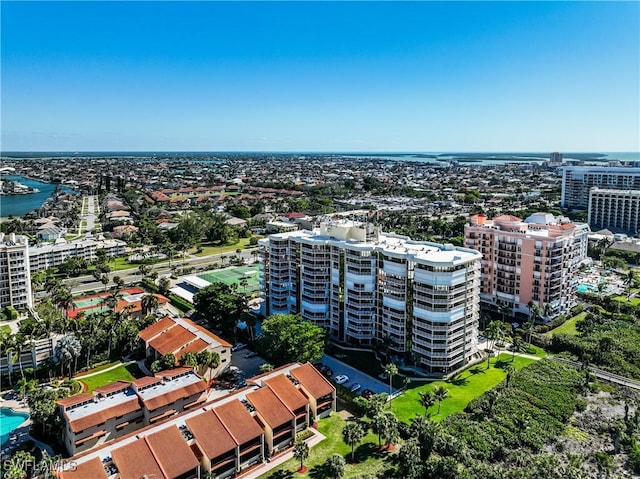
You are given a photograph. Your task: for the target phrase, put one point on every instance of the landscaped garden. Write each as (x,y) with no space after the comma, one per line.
(462,389)
(368,459)
(124,372)
(568,327)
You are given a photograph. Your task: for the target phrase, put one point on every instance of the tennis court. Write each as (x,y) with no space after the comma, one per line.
(235,275)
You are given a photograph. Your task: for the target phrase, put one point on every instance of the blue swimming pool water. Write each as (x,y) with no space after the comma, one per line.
(9,422)
(585,288)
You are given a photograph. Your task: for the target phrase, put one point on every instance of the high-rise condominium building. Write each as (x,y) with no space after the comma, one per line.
(15,280)
(530,261)
(362,286)
(578,180)
(616,210)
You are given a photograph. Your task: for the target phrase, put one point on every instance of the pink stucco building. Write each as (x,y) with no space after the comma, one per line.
(534,260)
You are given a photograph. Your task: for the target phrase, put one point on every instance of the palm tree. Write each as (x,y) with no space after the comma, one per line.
(547,310)
(517,345)
(509,369)
(352,434)
(208,360)
(301,452)
(427,399)
(494,332)
(149,303)
(391,370)
(335,466)
(528,328)
(67,349)
(440,393)
(629,282)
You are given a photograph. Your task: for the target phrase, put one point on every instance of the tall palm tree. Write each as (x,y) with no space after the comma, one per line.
(427,399)
(517,345)
(352,434)
(391,370)
(149,303)
(440,393)
(67,350)
(528,328)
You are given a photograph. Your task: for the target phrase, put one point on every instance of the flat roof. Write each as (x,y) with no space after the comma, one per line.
(166,392)
(101,410)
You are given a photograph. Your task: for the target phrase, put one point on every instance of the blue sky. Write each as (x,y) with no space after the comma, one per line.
(313,76)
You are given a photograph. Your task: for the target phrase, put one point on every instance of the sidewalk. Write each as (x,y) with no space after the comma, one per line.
(274,463)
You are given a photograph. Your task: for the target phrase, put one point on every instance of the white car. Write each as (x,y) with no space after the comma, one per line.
(238,347)
(342,378)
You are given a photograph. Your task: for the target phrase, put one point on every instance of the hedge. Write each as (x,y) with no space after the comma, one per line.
(182,304)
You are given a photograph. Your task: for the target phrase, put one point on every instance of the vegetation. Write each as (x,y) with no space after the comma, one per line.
(461,389)
(124,372)
(222,305)
(609,338)
(287,338)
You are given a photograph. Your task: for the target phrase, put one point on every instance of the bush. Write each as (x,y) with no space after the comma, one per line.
(11,313)
(182,304)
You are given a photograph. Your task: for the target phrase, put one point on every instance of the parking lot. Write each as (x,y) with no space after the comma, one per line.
(355,376)
(249,366)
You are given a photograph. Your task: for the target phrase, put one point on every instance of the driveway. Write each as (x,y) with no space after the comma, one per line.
(355,376)
(249,366)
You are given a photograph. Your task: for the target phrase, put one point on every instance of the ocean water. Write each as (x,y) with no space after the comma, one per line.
(19,205)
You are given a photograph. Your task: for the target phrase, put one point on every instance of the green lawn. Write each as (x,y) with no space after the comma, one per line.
(211,250)
(536,351)
(623,299)
(369,459)
(124,373)
(462,389)
(568,327)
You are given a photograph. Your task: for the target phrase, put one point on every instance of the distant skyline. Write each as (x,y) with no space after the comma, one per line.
(313,76)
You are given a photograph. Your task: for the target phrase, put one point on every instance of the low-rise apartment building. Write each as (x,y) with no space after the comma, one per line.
(119,408)
(528,262)
(15,279)
(223,437)
(179,336)
(615,210)
(362,286)
(48,255)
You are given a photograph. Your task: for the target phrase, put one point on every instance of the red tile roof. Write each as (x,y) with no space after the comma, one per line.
(111,388)
(314,382)
(156,328)
(211,435)
(171,396)
(104,415)
(238,421)
(172,339)
(208,333)
(135,460)
(287,392)
(270,407)
(172,452)
(89,469)
(72,400)
(193,347)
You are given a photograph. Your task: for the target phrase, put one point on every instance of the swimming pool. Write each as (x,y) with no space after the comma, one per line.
(585,288)
(9,422)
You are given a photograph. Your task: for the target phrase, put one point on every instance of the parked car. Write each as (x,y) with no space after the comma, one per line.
(367,393)
(355,387)
(250,354)
(238,347)
(342,378)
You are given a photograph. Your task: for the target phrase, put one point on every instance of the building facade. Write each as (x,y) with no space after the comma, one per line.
(528,262)
(363,286)
(615,210)
(47,255)
(220,438)
(15,278)
(577,181)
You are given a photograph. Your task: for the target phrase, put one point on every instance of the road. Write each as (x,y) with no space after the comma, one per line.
(85,283)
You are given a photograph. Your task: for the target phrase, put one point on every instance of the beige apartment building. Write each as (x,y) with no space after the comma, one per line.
(363,285)
(530,261)
(615,210)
